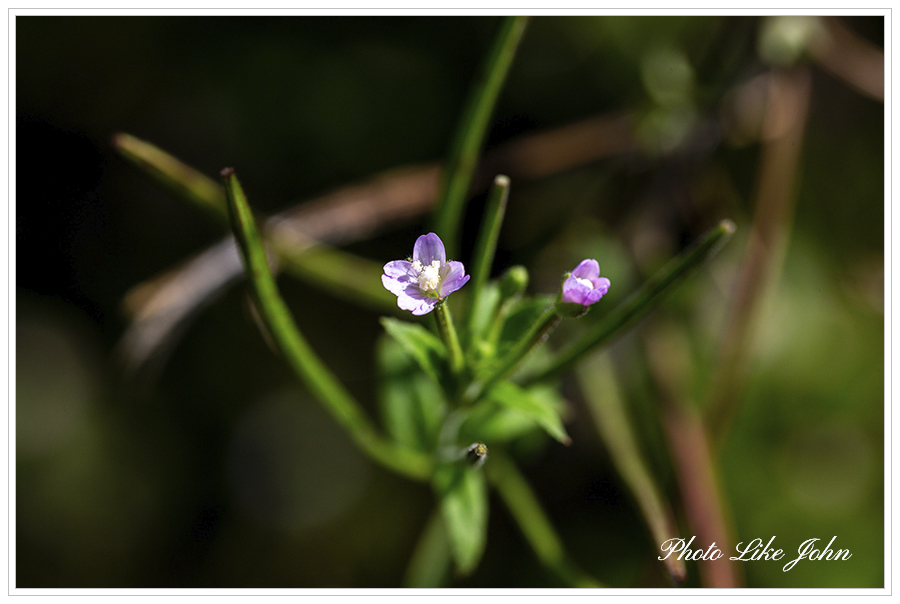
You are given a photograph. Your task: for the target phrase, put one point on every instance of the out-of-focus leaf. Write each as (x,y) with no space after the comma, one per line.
(492,423)
(431,559)
(412,405)
(536,404)
(422,345)
(464,508)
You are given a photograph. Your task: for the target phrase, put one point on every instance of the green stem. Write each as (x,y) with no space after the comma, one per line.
(486,245)
(448,333)
(641,302)
(467,144)
(539,332)
(311,371)
(526,510)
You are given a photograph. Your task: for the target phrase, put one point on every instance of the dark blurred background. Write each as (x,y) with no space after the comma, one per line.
(216,469)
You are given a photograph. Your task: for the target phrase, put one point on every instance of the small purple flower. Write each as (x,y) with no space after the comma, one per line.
(427,279)
(585,285)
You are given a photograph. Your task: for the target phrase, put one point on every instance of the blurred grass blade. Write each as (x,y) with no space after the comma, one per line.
(641,302)
(464,508)
(526,510)
(457,178)
(598,384)
(431,559)
(486,246)
(342,274)
(176,176)
(297,351)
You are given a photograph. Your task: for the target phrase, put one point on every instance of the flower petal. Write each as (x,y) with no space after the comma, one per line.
(573,291)
(453,277)
(429,248)
(397,276)
(592,296)
(587,269)
(414,300)
(601,284)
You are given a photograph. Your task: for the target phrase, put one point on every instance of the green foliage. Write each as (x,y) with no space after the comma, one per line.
(539,404)
(421,345)
(464,507)
(413,406)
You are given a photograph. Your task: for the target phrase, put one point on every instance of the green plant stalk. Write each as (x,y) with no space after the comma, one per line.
(311,371)
(526,510)
(604,401)
(641,302)
(486,246)
(539,332)
(448,334)
(460,168)
(174,175)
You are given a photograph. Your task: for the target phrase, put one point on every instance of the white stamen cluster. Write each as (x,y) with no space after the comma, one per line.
(428,276)
(586,282)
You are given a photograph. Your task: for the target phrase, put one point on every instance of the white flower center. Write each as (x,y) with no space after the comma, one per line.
(585,282)
(428,276)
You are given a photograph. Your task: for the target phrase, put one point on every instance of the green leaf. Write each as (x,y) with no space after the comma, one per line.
(492,423)
(420,344)
(413,407)
(464,508)
(537,404)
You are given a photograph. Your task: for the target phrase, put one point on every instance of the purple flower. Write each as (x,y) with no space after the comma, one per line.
(585,285)
(427,279)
